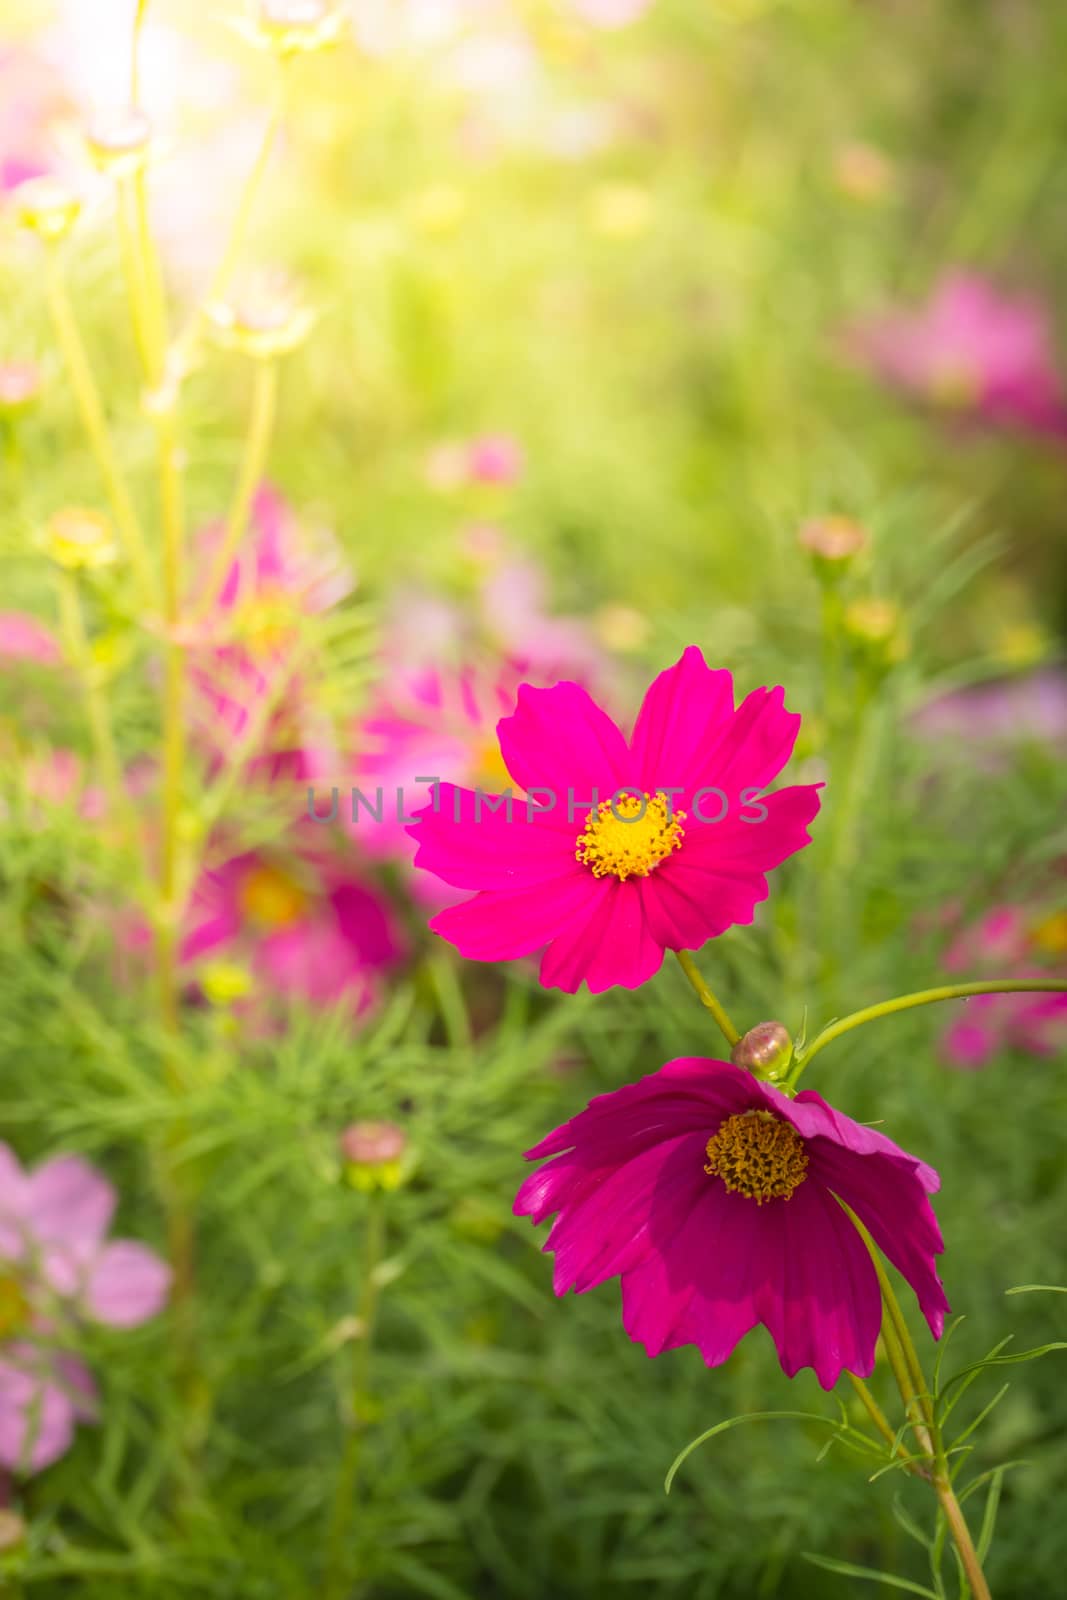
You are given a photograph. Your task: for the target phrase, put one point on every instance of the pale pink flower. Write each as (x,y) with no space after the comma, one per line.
(972,350)
(57,1267)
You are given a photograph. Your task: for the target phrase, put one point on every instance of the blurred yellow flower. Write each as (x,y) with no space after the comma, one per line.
(439,209)
(47,206)
(80,540)
(621,210)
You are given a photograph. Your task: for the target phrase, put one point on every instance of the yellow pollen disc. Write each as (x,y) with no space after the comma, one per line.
(758,1155)
(14,1307)
(629,837)
(490,773)
(271,898)
(1051,934)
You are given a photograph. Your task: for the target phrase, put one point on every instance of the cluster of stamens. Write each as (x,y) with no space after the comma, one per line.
(629,835)
(758,1155)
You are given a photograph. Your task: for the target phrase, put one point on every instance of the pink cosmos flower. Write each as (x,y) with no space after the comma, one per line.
(56,1267)
(1009,941)
(23,638)
(655,843)
(974,350)
(31,103)
(714,1198)
(1002,711)
(306,926)
(247,658)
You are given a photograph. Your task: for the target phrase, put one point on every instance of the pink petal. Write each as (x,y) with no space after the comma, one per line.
(36,1414)
(558,739)
(499,925)
(69,1202)
(830,1310)
(612,946)
(682,713)
(128,1283)
(472,847)
(887,1195)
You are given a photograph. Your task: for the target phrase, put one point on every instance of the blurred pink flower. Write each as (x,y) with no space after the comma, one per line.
(249,663)
(493,458)
(307,927)
(23,638)
(1030,706)
(57,1266)
(1009,941)
(610,13)
(974,351)
(426,722)
(32,100)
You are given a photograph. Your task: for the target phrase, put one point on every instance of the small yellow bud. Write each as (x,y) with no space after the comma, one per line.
(119,141)
(47,206)
(377,1155)
(876,628)
(80,540)
(20,384)
(224,982)
(621,628)
(621,210)
(862,172)
(290,27)
(264,319)
(832,541)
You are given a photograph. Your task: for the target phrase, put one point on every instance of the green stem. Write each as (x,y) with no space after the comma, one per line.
(76,644)
(924,997)
(135,63)
(338,1579)
(89,403)
(917,1398)
(227,266)
(884,1426)
(253,460)
(707,998)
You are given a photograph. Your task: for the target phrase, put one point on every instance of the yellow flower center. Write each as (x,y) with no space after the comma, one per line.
(758,1155)
(271,898)
(490,773)
(14,1307)
(628,837)
(1051,934)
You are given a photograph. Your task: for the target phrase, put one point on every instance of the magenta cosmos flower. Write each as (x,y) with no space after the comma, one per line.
(252,661)
(622,849)
(308,929)
(973,350)
(714,1198)
(57,1267)
(1009,941)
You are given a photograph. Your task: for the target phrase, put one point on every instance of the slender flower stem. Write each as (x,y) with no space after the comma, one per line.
(223,275)
(253,460)
(135,53)
(132,271)
(87,396)
(76,644)
(338,1578)
(707,998)
(917,1398)
(924,997)
(885,1427)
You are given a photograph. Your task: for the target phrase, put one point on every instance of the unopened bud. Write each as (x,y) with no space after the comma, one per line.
(862,172)
(832,541)
(765,1050)
(47,206)
(876,628)
(224,982)
(119,140)
(377,1155)
(12,1530)
(20,384)
(80,540)
(291,27)
(265,318)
